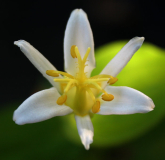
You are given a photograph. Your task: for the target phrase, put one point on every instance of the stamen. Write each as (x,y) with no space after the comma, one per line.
(78,54)
(61,100)
(72,51)
(107,97)
(99,79)
(62,80)
(52,73)
(112,80)
(86,55)
(69,85)
(82,90)
(96,107)
(100,76)
(95,85)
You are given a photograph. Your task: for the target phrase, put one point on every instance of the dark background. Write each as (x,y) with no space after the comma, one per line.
(42,23)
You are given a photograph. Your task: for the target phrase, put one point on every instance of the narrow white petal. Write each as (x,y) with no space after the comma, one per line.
(38,60)
(78,32)
(39,107)
(123,57)
(126,101)
(85,130)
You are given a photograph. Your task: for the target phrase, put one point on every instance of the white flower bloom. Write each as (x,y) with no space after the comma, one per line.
(75,91)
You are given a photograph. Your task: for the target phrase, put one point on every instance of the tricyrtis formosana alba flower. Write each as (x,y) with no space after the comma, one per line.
(74,91)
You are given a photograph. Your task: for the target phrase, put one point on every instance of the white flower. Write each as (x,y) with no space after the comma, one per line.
(75,91)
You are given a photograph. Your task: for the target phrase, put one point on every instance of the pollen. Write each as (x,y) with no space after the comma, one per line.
(96,107)
(52,73)
(72,51)
(107,97)
(112,80)
(61,100)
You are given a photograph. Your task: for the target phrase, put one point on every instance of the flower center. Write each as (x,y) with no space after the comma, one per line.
(80,92)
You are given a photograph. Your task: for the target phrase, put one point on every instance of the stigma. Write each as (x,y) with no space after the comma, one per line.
(80,92)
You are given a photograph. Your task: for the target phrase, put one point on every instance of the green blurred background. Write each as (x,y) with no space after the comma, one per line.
(116,137)
(138,136)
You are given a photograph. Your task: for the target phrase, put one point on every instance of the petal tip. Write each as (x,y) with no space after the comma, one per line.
(87,144)
(85,130)
(87,139)
(16,43)
(138,39)
(14,116)
(152,104)
(19,43)
(78,11)
(17,119)
(87,147)
(19,122)
(141,39)
(14,119)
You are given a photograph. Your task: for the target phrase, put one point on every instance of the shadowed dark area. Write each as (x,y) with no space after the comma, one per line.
(42,23)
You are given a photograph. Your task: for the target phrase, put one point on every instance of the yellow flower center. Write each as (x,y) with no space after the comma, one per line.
(79,92)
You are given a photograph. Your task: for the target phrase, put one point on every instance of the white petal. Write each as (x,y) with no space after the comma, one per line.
(39,107)
(123,57)
(78,32)
(85,130)
(126,101)
(38,60)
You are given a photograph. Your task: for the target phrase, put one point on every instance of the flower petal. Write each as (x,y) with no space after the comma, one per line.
(38,60)
(85,130)
(39,107)
(78,32)
(123,57)
(126,101)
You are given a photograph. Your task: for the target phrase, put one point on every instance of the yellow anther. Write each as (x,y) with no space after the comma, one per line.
(107,97)
(52,73)
(61,100)
(72,52)
(56,74)
(96,107)
(112,80)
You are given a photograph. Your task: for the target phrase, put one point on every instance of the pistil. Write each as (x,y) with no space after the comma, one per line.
(82,98)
